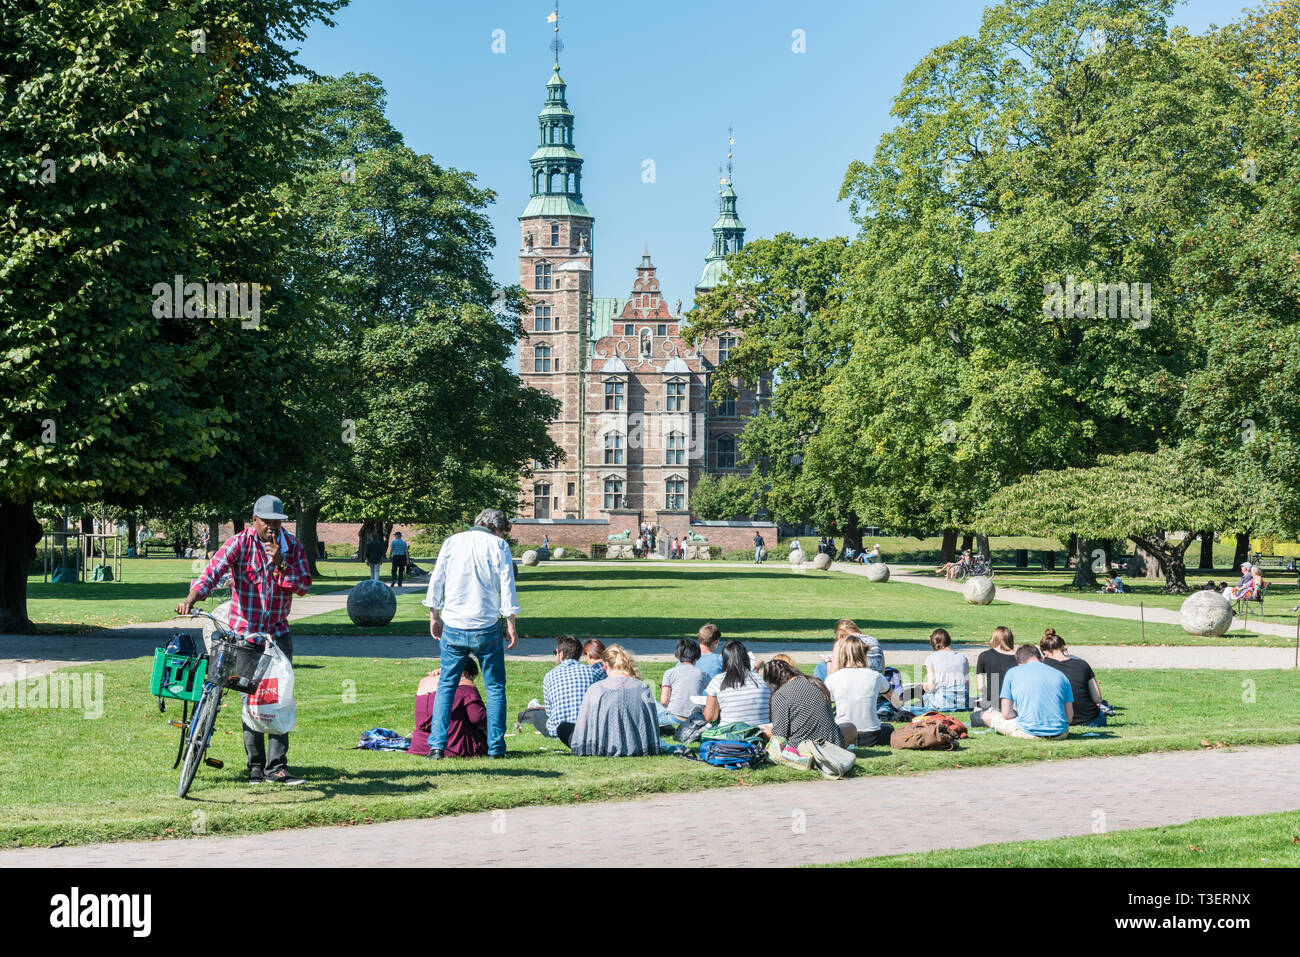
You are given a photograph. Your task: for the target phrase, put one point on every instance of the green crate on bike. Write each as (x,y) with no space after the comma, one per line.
(177,676)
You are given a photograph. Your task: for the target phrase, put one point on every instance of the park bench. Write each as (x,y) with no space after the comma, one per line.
(159,545)
(1257,599)
(1278,562)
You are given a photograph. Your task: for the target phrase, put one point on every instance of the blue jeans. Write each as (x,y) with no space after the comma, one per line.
(665,717)
(758,554)
(488,646)
(1097,722)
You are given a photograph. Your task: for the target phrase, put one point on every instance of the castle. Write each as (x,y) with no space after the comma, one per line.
(636,424)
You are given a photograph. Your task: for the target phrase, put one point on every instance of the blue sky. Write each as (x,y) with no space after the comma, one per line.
(658,81)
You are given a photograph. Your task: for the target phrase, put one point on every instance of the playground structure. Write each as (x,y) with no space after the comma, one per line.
(93,551)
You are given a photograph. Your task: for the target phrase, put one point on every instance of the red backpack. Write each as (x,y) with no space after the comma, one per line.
(953,726)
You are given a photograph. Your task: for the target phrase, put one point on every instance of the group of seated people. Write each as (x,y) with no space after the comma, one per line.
(964,562)
(596,702)
(1247,588)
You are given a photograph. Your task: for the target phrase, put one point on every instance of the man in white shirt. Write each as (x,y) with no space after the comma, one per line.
(472,587)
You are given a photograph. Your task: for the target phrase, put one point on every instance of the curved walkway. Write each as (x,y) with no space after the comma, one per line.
(776,825)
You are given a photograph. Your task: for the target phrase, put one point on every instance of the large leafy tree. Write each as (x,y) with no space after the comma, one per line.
(423,420)
(1070,138)
(140,141)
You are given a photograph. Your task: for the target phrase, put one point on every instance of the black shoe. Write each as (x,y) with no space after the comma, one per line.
(256,776)
(283,777)
(495,757)
(435,754)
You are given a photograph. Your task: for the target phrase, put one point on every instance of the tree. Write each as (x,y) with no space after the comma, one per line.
(1139,496)
(722,499)
(146,149)
(1058,153)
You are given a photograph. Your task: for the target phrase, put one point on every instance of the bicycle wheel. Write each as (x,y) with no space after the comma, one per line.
(205,717)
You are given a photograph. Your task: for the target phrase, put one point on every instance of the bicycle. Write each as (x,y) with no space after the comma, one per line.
(235,663)
(979,566)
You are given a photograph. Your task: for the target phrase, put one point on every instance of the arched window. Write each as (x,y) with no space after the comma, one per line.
(613,448)
(675,493)
(614,493)
(726,452)
(675,454)
(542,276)
(542,500)
(646,345)
(542,359)
(675,400)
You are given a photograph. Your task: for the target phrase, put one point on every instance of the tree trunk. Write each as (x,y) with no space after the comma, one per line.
(371,526)
(87,525)
(1207,552)
(853,532)
(967,541)
(237,524)
(307,519)
(1071,551)
(131,530)
(982,546)
(948,550)
(19,533)
(1242,552)
(214,535)
(1144,563)
(1085,576)
(1165,559)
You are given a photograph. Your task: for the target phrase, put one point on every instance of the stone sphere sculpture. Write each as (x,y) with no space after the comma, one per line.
(821,562)
(559,552)
(1205,613)
(371,603)
(979,590)
(877,572)
(529,557)
(796,556)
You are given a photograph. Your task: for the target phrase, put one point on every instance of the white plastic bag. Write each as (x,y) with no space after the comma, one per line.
(270,709)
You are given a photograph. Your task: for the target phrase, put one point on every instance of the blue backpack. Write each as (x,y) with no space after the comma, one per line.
(735,755)
(381,739)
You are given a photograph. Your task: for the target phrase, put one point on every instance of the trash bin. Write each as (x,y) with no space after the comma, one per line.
(1022,558)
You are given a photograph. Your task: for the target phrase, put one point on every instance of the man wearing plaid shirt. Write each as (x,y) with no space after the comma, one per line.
(267,567)
(563,689)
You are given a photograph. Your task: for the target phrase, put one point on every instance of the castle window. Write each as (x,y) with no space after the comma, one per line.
(726,452)
(542,500)
(542,359)
(676,397)
(613,396)
(555,234)
(727,407)
(569,489)
(614,493)
(542,276)
(542,319)
(613,448)
(661,330)
(725,345)
(676,452)
(675,493)
(628,330)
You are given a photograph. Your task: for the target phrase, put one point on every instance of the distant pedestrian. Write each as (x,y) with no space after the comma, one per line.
(471,589)
(375,556)
(398,551)
(758,548)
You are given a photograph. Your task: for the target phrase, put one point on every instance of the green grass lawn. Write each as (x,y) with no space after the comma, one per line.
(77,780)
(148,591)
(1261,840)
(769,603)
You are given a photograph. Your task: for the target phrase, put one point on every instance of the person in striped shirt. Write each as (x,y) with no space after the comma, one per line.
(737,694)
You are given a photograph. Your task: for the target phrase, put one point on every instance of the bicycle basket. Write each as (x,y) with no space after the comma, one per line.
(238,664)
(177,676)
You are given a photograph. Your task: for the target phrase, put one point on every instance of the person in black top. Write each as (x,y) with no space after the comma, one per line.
(375,551)
(992,666)
(801,708)
(1087,694)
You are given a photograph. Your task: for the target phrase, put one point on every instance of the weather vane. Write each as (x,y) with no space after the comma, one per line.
(556,44)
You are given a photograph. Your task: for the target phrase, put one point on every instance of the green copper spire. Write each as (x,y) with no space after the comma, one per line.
(556,165)
(728,231)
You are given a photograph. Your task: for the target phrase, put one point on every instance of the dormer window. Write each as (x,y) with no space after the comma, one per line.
(613,396)
(675,400)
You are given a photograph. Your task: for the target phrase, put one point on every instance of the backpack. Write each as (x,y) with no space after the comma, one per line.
(895,679)
(735,731)
(381,739)
(923,737)
(182,643)
(955,727)
(689,731)
(735,755)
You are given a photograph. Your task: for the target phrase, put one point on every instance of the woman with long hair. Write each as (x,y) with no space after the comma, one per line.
(737,693)
(801,708)
(992,665)
(856,690)
(617,718)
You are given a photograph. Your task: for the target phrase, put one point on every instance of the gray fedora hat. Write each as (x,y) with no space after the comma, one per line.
(269,507)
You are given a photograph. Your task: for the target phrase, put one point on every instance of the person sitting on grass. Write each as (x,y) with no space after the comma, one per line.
(467,730)
(563,689)
(1037,701)
(856,689)
(680,683)
(1088,702)
(737,694)
(1114,586)
(801,708)
(947,678)
(710,663)
(617,719)
(992,666)
(594,651)
(843,628)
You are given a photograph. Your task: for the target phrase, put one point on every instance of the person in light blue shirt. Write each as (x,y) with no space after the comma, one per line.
(710,663)
(1037,701)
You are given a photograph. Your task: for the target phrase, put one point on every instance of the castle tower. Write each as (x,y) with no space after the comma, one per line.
(555,263)
(728,231)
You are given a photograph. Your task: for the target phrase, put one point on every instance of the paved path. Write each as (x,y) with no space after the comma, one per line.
(775,825)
